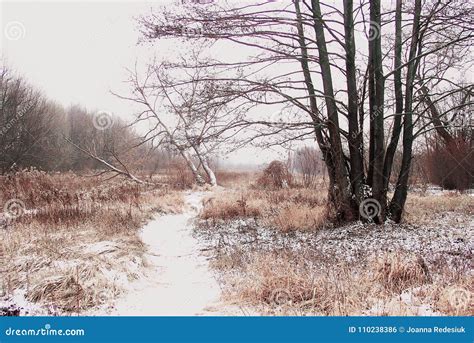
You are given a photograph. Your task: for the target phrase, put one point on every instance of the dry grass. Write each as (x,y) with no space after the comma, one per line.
(293,280)
(77,242)
(421,210)
(291,217)
(227,206)
(397,271)
(234,178)
(286,284)
(283,283)
(284,209)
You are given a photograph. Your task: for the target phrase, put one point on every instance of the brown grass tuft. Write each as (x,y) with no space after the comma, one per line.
(397,271)
(291,217)
(423,209)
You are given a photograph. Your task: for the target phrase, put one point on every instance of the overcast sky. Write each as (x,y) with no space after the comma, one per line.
(77,52)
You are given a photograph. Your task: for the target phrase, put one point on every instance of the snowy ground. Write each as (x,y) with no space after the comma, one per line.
(179,282)
(445,244)
(351,242)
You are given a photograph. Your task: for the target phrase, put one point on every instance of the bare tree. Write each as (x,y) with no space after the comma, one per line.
(308,161)
(190,117)
(302,52)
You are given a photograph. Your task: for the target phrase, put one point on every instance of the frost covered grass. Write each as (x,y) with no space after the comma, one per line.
(75,245)
(273,255)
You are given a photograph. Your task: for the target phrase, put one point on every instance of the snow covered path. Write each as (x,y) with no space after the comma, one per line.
(181,283)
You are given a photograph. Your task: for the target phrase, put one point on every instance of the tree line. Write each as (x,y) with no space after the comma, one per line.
(37,132)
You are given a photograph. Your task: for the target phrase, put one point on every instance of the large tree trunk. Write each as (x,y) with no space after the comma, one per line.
(210,173)
(397,75)
(398,201)
(341,190)
(211,176)
(376,100)
(199,179)
(318,124)
(355,136)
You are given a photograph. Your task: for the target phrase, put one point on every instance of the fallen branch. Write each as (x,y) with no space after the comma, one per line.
(110,167)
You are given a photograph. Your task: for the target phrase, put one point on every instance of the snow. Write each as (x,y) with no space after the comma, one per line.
(17,301)
(180,282)
(452,242)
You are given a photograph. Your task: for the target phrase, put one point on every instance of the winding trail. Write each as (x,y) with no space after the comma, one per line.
(181,283)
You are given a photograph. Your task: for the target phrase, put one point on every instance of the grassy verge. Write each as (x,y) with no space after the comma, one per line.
(75,243)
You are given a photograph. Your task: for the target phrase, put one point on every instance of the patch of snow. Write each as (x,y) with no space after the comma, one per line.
(17,302)
(180,282)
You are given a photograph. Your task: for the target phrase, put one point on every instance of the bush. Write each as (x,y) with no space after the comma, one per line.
(451,166)
(276,175)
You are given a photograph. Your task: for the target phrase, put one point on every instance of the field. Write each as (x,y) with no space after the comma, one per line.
(75,247)
(275,250)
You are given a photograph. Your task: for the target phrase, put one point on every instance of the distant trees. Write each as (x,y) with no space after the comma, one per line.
(360,95)
(308,161)
(449,155)
(36,132)
(28,123)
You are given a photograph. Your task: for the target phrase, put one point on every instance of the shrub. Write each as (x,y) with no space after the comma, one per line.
(451,166)
(276,175)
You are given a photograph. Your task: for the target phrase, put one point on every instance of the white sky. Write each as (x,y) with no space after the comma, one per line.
(77,52)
